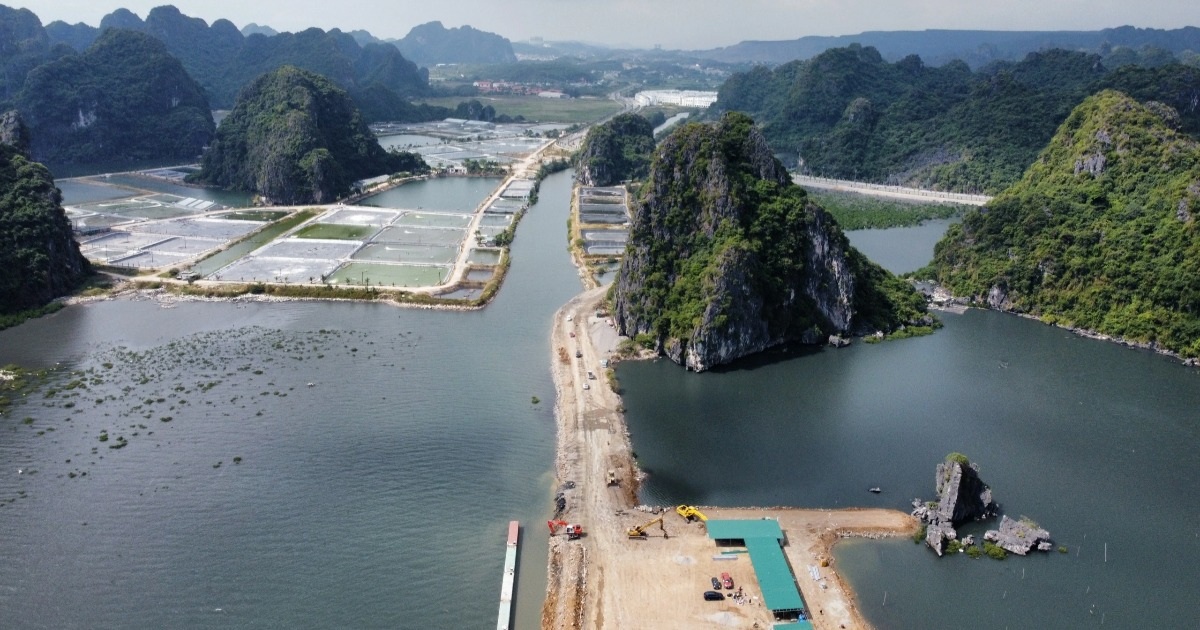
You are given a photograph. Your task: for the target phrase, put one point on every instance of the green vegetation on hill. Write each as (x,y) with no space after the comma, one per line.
(124,99)
(222,59)
(616,151)
(860,212)
(727,256)
(295,137)
(848,113)
(39,260)
(1100,233)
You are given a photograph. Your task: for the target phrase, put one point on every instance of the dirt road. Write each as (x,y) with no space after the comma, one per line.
(607,580)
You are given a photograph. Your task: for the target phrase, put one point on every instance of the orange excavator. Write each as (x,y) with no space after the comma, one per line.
(573,531)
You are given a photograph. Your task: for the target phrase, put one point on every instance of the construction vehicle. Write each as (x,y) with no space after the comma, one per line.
(612,477)
(573,531)
(639,531)
(690,513)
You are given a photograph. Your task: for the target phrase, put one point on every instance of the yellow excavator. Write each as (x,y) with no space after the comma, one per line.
(639,531)
(690,513)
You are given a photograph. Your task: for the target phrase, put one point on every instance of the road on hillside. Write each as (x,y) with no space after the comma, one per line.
(890,192)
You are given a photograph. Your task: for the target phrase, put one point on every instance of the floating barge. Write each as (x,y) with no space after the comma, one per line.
(504,621)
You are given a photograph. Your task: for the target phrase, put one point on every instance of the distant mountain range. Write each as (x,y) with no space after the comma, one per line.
(432,43)
(976,48)
(223,59)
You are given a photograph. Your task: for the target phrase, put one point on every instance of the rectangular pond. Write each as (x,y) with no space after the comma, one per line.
(375,274)
(407,253)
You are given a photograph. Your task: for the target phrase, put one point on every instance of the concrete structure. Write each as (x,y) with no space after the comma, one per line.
(510,575)
(678,98)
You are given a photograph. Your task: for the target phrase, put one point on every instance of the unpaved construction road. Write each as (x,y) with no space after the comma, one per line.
(607,580)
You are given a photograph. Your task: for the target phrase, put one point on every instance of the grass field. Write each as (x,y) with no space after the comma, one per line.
(536,108)
(336,231)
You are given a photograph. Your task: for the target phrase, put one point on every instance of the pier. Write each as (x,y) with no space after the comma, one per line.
(504,620)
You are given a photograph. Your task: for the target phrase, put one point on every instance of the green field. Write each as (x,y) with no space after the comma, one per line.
(536,108)
(336,231)
(860,212)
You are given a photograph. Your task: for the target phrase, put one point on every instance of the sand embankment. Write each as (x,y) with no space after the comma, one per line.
(607,580)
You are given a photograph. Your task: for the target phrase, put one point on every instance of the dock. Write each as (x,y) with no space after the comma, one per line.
(504,621)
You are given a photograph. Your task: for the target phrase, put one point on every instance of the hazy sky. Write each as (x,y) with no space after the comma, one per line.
(671,23)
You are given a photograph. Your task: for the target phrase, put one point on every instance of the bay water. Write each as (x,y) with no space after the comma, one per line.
(1094,441)
(286,465)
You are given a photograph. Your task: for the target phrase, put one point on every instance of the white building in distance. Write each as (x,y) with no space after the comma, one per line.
(678,98)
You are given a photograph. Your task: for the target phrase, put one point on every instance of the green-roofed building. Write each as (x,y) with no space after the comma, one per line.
(763,538)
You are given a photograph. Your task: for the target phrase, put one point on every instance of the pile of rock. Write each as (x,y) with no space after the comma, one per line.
(1019,537)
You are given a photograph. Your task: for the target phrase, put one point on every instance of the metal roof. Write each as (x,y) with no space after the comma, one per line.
(740,529)
(763,538)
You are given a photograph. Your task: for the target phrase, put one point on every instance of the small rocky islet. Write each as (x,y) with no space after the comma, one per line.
(964,497)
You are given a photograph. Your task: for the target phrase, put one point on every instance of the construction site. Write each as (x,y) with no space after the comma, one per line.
(635,566)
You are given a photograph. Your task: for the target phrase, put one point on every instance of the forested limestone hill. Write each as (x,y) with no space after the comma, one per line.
(295,137)
(727,257)
(124,99)
(39,259)
(222,59)
(1099,234)
(615,151)
(849,113)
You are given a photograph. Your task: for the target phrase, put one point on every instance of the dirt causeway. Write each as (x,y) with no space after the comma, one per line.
(607,580)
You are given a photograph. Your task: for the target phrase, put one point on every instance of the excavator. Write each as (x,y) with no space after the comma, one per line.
(572,530)
(638,532)
(690,513)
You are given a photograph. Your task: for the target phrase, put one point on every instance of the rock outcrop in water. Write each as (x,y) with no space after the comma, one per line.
(963,497)
(1019,537)
(727,257)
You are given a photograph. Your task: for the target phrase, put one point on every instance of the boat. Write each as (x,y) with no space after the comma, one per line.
(875,490)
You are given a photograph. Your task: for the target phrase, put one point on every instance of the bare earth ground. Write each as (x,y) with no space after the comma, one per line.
(608,581)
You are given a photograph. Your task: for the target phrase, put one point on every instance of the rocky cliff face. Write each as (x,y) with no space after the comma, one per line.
(615,151)
(962,497)
(13,131)
(727,258)
(39,260)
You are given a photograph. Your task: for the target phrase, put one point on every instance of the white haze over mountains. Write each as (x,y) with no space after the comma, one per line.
(686,24)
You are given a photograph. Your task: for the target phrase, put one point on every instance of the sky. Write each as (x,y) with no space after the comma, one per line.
(683,24)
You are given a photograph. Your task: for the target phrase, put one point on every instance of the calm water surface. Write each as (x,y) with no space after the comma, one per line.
(901,250)
(378,497)
(447,194)
(1094,441)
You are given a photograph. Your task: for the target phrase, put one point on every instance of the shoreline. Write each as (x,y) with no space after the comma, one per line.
(608,580)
